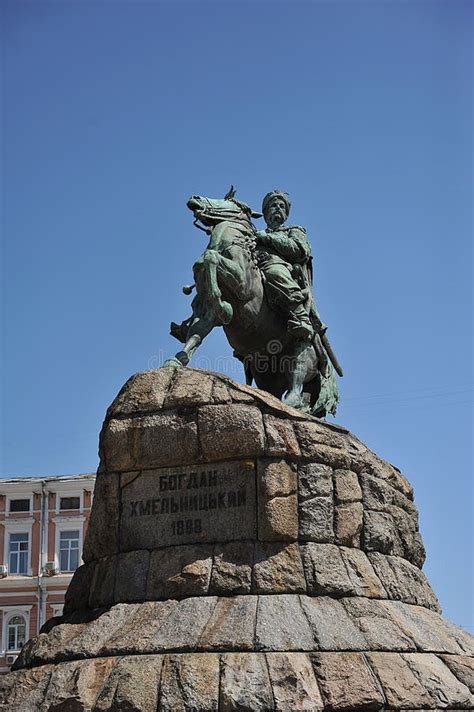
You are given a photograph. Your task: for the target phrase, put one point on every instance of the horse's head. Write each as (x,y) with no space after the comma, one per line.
(211,211)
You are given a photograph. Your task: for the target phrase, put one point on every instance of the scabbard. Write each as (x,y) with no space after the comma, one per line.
(332,355)
(320,353)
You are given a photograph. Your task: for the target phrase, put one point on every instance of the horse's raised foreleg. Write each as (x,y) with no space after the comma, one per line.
(236,280)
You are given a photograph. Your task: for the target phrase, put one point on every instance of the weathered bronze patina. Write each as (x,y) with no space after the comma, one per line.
(257,285)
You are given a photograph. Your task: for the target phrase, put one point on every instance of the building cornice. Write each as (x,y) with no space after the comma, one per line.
(51,484)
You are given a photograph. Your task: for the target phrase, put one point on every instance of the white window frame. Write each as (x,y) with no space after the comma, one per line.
(71,523)
(10,612)
(19,553)
(18,526)
(69,529)
(17,515)
(57,609)
(16,622)
(67,494)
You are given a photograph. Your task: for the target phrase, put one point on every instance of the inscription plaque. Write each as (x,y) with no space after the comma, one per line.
(192,504)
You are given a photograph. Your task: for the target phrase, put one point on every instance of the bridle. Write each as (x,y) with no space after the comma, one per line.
(220,214)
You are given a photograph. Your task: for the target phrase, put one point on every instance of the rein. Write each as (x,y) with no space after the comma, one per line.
(221,216)
(204,229)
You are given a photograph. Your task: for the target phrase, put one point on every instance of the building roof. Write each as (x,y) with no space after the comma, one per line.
(45,478)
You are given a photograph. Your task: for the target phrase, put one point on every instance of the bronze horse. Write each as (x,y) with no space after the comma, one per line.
(230,293)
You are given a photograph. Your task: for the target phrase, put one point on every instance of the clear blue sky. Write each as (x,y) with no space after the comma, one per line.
(115,112)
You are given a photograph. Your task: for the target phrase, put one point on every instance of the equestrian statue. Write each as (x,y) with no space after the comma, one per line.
(257,285)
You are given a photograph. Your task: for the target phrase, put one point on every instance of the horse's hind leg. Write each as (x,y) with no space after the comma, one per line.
(300,364)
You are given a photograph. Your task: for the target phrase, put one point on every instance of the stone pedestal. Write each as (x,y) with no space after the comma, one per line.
(243,556)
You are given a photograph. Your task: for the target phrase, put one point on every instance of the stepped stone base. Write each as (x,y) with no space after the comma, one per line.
(221,682)
(243,556)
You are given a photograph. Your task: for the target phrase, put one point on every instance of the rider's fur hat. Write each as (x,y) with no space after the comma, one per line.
(274,194)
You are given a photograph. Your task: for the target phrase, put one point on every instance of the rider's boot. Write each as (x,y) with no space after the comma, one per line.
(299,324)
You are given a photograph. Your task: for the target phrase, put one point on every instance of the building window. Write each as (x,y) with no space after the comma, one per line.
(69,503)
(57,609)
(68,550)
(19,505)
(18,554)
(16,633)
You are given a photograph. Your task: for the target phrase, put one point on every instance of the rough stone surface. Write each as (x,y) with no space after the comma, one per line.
(293,682)
(234,430)
(140,629)
(285,681)
(426,628)
(381,495)
(131,580)
(462,666)
(102,535)
(278,568)
(103,582)
(232,569)
(92,640)
(348,524)
(316,519)
(281,438)
(277,502)
(179,571)
(403,581)
(24,690)
(332,628)
(313,434)
(325,571)
(242,556)
(380,533)
(314,480)
(54,637)
(231,625)
(245,683)
(375,622)
(190,682)
(400,685)
(465,640)
(184,626)
(77,594)
(189,388)
(228,623)
(361,574)
(150,441)
(76,680)
(143,393)
(133,684)
(407,526)
(347,487)
(443,687)
(281,624)
(347,682)
(278,519)
(276,479)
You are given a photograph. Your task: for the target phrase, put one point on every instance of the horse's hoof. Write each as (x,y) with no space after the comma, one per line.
(174,362)
(296,400)
(293,399)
